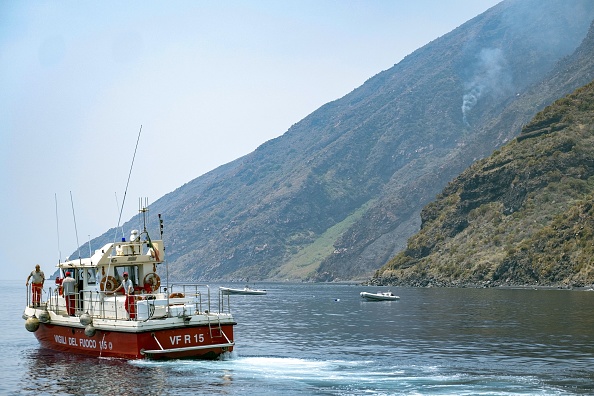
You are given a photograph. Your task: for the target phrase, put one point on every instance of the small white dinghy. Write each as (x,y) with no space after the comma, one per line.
(379,296)
(245,291)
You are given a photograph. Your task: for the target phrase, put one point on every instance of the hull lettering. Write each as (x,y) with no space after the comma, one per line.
(186,339)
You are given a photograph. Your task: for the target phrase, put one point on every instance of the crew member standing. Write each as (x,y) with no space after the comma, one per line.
(128,287)
(37,279)
(68,285)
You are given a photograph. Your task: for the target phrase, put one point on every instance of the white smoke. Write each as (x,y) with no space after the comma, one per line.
(490,76)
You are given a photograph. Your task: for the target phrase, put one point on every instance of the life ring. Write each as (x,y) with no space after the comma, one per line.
(176,295)
(108,283)
(152,282)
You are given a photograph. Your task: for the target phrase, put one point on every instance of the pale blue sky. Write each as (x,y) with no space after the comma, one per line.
(209,81)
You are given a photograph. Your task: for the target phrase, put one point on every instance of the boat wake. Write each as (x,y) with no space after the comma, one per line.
(347,377)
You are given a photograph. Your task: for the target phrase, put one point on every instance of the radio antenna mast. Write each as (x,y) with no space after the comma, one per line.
(124,199)
(58,229)
(118,208)
(127,183)
(75,229)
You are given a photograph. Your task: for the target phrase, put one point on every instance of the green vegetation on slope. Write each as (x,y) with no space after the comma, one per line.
(305,261)
(523,216)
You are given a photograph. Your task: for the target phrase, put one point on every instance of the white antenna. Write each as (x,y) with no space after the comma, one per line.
(125,192)
(58,229)
(118,208)
(128,182)
(75,229)
(90,252)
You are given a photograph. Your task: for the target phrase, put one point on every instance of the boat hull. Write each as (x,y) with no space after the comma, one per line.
(245,292)
(197,342)
(378,297)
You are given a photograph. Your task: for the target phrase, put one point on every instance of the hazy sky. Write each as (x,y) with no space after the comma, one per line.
(209,81)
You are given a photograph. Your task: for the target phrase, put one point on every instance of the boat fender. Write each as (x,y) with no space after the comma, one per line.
(85,319)
(90,330)
(152,282)
(32,324)
(108,283)
(44,317)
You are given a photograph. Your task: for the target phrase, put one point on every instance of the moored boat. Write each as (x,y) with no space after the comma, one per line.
(379,296)
(245,291)
(174,320)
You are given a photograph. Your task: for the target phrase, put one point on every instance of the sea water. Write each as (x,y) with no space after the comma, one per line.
(323,339)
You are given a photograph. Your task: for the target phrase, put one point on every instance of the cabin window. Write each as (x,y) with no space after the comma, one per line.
(91,276)
(132,273)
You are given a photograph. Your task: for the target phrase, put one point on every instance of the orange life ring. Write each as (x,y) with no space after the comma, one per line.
(108,283)
(176,295)
(152,282)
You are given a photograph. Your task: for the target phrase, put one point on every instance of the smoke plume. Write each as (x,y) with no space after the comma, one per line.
(490,77)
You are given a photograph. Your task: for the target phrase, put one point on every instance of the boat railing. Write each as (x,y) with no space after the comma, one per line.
(91,302)
(43,297)
(198,294)
(176,300)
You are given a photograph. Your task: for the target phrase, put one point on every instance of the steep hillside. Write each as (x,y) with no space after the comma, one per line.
(523,216)
(411,188)
(340,192)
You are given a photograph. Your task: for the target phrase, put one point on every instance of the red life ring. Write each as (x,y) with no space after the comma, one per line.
(108,283)
(152,282)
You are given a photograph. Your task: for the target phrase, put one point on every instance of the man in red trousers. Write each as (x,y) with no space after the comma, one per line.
(69,292)
(37,278)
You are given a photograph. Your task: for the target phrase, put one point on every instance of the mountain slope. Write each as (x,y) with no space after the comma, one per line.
(388,224)
(523,216)
(340,192)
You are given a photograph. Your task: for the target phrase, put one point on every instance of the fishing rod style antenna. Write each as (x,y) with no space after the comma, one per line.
(115,235)
(58,229)
(75,229)
(117,209)
(127,184)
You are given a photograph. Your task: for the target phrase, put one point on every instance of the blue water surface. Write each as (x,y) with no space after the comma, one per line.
(323,339)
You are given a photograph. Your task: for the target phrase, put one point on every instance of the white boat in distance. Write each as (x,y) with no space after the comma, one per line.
(246,291)
(379,296)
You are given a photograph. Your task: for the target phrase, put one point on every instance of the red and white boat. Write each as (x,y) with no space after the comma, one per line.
(158,322)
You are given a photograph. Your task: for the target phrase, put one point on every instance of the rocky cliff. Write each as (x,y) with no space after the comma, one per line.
(523,216)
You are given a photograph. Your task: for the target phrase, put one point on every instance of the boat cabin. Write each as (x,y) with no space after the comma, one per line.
(98,277)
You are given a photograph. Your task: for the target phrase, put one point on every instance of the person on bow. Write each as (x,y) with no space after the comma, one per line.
(37,279)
